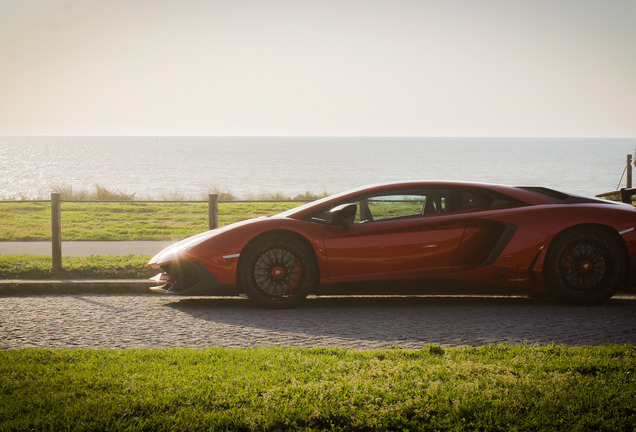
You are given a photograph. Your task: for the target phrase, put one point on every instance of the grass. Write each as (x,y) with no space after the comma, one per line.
(89,267)
(31,221)
(492,388)
(127,219)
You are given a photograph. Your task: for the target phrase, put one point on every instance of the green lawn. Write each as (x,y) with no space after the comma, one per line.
(492,388)
(25,221)
(89,267)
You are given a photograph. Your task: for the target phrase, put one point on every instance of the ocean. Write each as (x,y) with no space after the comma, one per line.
(156,167)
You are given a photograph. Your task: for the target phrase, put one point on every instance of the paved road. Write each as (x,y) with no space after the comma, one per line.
(110,321)
(85,248)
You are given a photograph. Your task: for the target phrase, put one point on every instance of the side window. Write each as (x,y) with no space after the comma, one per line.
(422,202)
(391,206)
(400,205)
(469,200)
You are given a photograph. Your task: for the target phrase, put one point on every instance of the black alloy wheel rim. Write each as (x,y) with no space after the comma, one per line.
(279,272)
(588,264)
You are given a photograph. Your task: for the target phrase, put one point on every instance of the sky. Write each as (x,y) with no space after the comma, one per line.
(460,68)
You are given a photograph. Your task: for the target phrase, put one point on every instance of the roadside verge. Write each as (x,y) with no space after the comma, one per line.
(75,286)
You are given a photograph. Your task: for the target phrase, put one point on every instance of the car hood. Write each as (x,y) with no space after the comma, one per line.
(173,251)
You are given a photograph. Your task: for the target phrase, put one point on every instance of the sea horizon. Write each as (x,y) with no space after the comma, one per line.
(154,166)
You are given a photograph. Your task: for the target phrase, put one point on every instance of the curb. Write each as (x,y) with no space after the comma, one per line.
(75,286)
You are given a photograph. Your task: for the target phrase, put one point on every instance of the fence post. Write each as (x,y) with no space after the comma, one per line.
(629,171)
(56,231)
(213,211)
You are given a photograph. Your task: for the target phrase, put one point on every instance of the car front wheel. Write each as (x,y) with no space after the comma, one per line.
(585,266)
(277,272)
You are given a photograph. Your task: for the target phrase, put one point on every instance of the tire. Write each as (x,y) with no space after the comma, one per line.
(585,266)
(278,271)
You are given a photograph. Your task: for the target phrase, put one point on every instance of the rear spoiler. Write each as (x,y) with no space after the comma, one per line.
(625,194)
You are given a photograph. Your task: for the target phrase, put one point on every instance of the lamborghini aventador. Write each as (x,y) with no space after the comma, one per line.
(578,249)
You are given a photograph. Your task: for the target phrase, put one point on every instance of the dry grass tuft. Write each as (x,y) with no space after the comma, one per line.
(99,194)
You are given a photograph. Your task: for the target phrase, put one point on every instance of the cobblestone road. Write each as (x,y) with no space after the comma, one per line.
(109,321)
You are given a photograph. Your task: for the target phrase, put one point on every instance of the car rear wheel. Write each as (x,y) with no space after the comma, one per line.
(277,272)
(585,266)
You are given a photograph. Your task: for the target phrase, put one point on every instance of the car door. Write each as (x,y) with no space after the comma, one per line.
(402,234)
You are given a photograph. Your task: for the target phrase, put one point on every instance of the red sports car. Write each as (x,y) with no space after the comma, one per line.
(578,249)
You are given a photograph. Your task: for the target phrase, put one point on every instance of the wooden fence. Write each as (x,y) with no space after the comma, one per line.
(56,221)
(56,214)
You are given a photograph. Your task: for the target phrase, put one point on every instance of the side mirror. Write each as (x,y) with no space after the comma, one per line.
(344,215)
